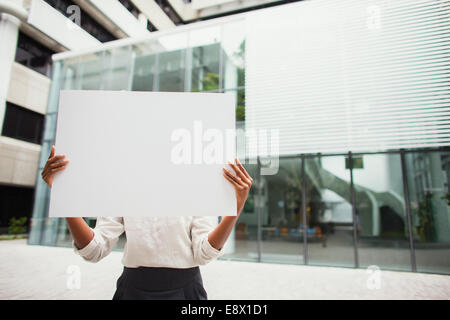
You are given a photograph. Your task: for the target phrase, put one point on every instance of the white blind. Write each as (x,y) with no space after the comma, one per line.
(350,75)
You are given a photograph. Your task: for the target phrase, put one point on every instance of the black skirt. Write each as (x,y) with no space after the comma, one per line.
(145,283)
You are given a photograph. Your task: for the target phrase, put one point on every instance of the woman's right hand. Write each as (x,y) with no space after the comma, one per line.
(54,164)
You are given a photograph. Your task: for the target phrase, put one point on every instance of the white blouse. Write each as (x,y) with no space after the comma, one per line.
(172,242)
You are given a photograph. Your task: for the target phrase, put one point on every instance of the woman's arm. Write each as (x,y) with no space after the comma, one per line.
(242,182)
(81,233)
(79,229)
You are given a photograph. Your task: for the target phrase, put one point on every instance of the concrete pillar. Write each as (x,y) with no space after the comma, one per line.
(9,31)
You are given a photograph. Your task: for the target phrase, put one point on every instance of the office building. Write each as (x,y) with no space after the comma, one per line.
(31,32)
(359,93)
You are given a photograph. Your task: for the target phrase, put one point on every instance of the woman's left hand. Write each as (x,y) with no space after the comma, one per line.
(241,181)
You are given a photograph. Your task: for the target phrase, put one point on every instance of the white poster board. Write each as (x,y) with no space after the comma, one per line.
(144,154)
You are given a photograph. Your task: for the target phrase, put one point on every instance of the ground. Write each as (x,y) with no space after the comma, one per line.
(38,272)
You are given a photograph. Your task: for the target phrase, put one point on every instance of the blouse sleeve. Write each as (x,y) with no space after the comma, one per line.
(203,251)
(106,233)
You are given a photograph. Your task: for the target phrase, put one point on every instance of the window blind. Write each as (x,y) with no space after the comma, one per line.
(350,75)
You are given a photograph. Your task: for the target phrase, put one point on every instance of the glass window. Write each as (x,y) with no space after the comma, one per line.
(40,210)
(172,63)
(33,55)
(23,124)
(144,72)
(281,215)
(145,66)
(429,195)
(46,148)
(15,202)
(240,105)
(171,71)
(242,243)
(233,62)
(90,72)
(329,212)
(117,68)
(71,73)
(382,224)
(205,61)
(205,68)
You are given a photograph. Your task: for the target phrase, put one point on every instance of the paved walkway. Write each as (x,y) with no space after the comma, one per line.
(37,272)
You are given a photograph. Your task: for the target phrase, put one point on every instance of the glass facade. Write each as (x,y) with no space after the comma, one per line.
(389,209)
(329,212)
(429,200)
(190,60)
(281,223)
(380,207)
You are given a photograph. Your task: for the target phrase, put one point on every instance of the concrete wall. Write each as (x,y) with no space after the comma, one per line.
(18,161)
(28,88)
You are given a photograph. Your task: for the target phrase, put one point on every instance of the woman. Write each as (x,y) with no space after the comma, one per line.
(162,254)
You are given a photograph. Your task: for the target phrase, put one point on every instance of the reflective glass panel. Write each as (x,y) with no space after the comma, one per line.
(205,51)
(382,223)
(429,194)
(242,243)
(117,69)
(172,63)
(89,75)
(281,218)
(233,62)
(145,66)
(329,212)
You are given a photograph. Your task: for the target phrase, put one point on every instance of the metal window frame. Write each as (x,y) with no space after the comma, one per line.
(350,155)
(354,212)
(412,251)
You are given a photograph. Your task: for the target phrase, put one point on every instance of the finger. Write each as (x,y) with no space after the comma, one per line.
(233,182)
(239,169)
(239,164)
(45,171)
(239,172)
(58,164)
(51,172)
(236,179)
(232,176)
(58,169)
(50,166)
(46,175)
(52,152)
(53,160)
(56,158)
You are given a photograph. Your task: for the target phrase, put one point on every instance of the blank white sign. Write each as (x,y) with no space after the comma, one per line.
(144,154)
